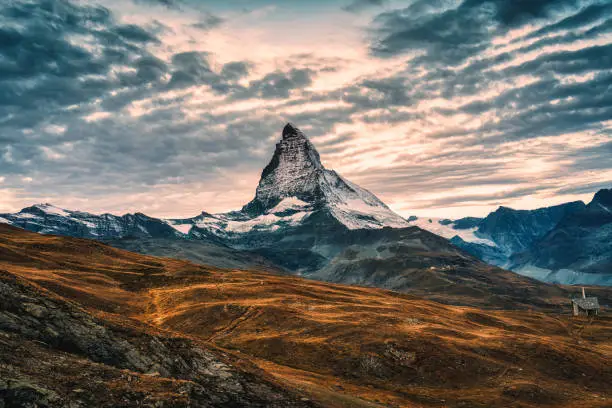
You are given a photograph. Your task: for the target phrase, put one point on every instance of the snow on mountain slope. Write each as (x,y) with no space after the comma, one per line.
(289,204)
(49,219)
(182,228)
(444,228)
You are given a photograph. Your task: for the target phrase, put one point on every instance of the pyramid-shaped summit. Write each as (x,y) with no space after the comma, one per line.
(293,171)
(296,178)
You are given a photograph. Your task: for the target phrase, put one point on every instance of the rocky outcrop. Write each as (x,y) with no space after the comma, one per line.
(58,331)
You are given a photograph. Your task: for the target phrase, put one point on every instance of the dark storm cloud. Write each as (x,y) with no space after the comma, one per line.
(209,21)
(596,157)
(359,5)
(173,4)
(191,68)
(492,198)
(61,63)
(587,15)
(278,84)
(585,189)
(235,70)
(56,54)
(448,34)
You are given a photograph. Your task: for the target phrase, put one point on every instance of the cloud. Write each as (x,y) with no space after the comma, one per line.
(359,5)
(236,70)
(450,32)
(279,84)
(209,21)
(447,105)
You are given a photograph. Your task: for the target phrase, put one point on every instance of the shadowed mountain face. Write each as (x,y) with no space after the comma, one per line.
(516,230)
(577,250)
(83,324)
(568,243)
(509,231)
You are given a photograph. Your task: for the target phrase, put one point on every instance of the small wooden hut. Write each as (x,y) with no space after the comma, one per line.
(587,306)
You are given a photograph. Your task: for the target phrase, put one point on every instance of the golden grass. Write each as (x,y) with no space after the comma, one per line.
(344,346)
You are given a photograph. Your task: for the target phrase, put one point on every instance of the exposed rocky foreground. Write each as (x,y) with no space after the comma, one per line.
(83,324)
(57,353)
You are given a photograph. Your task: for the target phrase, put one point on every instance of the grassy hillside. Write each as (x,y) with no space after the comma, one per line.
(80,321)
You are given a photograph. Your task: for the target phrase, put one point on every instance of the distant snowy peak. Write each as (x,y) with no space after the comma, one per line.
(296,177)
(450,229)
(49,219)
(47,209)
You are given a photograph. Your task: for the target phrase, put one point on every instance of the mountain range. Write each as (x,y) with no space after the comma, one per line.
(309,220)
(569,243)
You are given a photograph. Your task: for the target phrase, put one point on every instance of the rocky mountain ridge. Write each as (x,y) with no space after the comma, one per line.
(566,243)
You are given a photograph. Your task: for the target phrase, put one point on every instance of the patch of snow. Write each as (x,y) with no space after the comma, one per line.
(289,203)
(447,231)
(565,276)
(356,213)
(604,207)
(88,224)
(532,271)
(27,215)
(266,221)
(4,221)
(182,228)
(53,210)
(211,223)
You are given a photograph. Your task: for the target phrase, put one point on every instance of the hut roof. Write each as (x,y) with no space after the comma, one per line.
(589,303)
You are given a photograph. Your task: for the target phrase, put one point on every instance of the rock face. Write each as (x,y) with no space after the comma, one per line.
(507,231)
(294,171)
(567,243)
(304,215)
(516,230)
(295,179)
(294,187)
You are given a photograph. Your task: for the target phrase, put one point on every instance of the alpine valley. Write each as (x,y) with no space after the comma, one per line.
(308,220)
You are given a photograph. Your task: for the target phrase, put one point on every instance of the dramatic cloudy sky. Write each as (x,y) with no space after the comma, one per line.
(170,107)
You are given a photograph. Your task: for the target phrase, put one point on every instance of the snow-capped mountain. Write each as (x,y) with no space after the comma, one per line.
(296,189)
(295,181)
(450,229)
(307,219)
(569,243)
(49,219)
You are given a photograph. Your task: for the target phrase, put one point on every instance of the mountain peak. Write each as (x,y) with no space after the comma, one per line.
(292,131)
(603,197)
(292,172)
(295,175)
